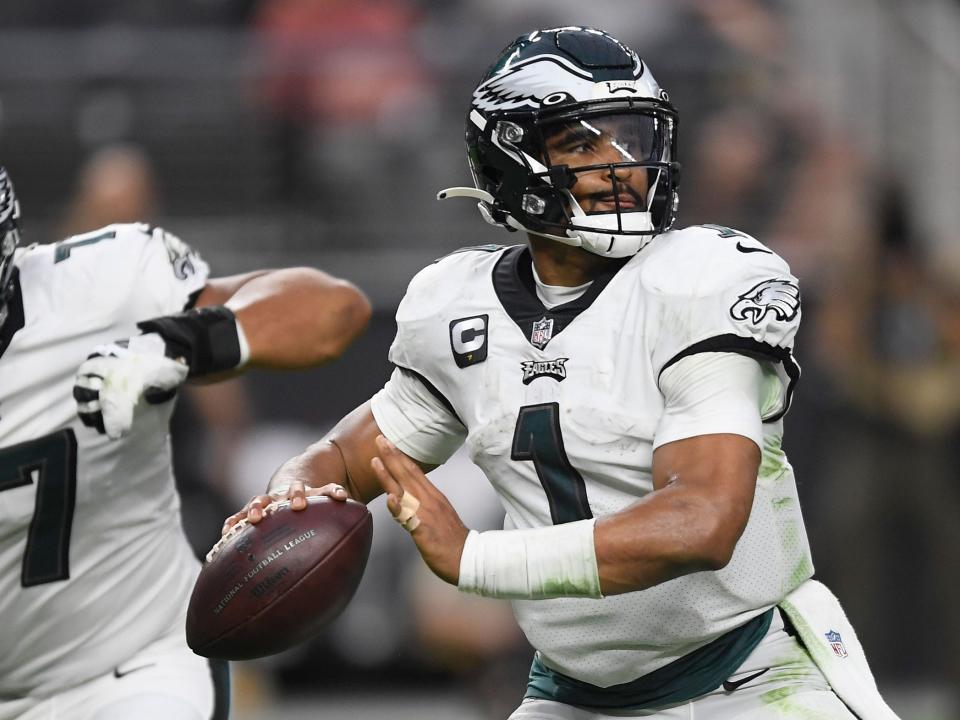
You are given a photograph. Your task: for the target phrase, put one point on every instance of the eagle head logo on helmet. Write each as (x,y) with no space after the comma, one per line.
(549,84)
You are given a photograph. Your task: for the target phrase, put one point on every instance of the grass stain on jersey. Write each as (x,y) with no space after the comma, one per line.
(793,666)
(782,701)
(795,546)
(568,588)
(773,460)
(801,572)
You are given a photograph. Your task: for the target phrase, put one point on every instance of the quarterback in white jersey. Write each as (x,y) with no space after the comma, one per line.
(95,570)
(622,385)
(565,425)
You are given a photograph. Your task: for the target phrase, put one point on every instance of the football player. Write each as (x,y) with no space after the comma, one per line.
(622,384)
(95,568)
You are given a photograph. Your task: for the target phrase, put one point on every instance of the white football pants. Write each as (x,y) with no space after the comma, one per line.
(164,681)
(787,684)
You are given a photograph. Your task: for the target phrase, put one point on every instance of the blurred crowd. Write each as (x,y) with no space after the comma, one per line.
(357,108)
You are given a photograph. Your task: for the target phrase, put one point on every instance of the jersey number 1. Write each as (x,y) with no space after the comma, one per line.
(51,462)
(538,438)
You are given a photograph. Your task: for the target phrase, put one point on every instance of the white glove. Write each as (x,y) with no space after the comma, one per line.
(113,379)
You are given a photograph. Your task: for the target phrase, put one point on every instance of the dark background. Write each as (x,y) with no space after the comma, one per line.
(279,132)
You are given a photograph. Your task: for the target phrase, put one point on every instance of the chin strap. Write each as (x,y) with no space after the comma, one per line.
(574,241)
(601,237)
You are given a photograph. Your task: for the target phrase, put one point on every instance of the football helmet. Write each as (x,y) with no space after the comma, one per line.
(9,239)
(568,107)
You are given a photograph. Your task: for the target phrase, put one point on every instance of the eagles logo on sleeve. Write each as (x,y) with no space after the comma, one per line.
(777,296)
(180,254)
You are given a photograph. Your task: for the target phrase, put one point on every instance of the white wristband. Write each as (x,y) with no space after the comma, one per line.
(549,562)
(244,346)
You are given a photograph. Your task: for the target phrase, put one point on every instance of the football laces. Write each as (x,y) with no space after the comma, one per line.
(230,534)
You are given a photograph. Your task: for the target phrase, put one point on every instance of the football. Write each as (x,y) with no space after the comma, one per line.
(270,586)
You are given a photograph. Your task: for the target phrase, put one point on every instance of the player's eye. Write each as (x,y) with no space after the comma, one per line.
(579,147)
(577,139)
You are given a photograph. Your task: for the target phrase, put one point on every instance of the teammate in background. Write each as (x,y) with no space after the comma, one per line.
(622,385)
(95,568)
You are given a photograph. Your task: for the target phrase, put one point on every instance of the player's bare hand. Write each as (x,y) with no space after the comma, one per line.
(296,493)
(422,509)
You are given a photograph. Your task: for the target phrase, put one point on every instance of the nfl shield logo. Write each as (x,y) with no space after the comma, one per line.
(542,332)
(836,643)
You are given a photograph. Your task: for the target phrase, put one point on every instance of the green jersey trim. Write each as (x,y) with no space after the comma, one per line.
(688,677)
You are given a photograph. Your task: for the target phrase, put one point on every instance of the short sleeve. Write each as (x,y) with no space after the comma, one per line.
(712,297)
(412,417)
(171,271)
(714,393)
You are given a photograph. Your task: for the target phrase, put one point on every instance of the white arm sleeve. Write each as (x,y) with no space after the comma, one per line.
(711,393)
(415,420)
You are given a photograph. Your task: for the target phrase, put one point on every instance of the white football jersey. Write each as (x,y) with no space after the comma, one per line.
(94,564)
(561,409)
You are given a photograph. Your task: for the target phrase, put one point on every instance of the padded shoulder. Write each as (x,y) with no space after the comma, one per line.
(453,289)
(710,289)
(111,244)
(488,248)
(113,247)
(126,271)
(446,280)
(704,260)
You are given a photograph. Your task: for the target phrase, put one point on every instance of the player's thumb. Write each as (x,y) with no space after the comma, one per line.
(117,411)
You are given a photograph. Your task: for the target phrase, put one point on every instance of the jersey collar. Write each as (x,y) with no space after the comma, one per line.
(513,282)
(15,318)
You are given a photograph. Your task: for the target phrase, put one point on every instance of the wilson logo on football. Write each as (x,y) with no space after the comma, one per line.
(780,297)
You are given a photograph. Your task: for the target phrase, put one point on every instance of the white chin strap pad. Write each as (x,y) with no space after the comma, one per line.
(606,241)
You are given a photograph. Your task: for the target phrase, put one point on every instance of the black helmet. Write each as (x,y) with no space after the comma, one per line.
(568,85)
(9,238)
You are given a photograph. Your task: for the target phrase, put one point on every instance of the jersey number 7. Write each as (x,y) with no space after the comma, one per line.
(538,438)
(50,462)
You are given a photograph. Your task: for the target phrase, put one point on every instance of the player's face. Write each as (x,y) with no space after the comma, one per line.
(599,145)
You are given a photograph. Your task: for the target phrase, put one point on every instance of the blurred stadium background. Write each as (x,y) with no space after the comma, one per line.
(274,132)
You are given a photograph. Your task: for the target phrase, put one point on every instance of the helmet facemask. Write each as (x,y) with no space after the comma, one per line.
(599,175)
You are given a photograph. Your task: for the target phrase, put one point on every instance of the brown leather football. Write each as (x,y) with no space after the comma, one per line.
(270,586)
